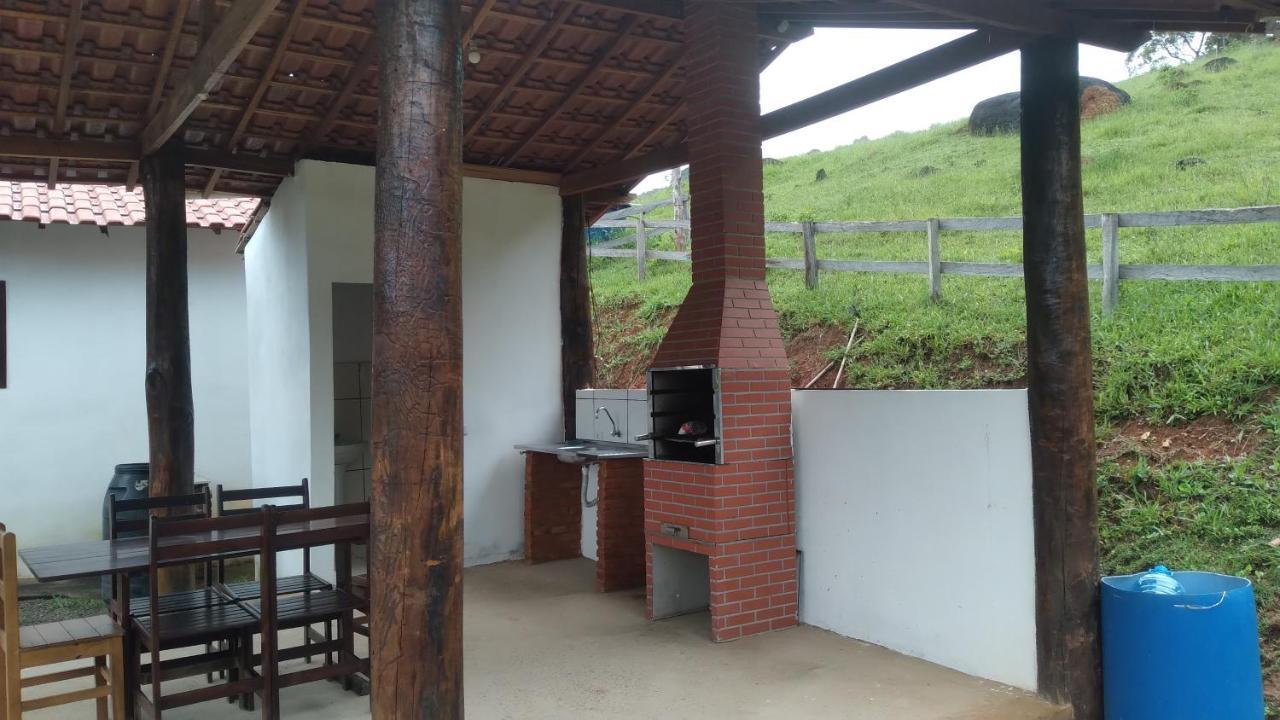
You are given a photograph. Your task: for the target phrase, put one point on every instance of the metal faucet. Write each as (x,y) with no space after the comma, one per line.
(616,432)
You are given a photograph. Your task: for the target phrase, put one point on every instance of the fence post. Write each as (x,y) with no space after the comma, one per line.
(935,260)
(810,231)
(642,252)
(1110,263)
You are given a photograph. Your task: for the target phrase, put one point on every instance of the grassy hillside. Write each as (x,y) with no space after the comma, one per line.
(1186,373)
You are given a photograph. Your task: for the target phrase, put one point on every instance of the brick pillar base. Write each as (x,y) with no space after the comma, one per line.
(620,526)
(552,509)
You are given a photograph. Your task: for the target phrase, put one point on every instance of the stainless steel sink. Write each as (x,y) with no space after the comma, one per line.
(580,452)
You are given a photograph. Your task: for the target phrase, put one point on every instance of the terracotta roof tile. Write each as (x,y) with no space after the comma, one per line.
(105,205)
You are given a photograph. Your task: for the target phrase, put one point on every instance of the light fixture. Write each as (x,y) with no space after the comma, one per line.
(784,26)
(473,56)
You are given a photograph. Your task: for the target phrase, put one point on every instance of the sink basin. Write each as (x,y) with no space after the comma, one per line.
(579,452)
(344,455)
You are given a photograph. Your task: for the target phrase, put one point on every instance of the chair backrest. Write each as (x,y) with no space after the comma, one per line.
(301,491)
(8,602)
(309,532)
(181,507)
(189,541)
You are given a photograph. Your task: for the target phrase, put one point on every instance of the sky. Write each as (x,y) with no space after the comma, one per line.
(835,56)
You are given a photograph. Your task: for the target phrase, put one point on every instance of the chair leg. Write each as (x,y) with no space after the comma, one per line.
(132,674)
(328,638)
(11,680)
(232,672)
(156,693)
(118,686)
(99,680)
(245,642)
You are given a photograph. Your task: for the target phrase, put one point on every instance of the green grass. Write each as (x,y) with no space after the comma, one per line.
(1171,353)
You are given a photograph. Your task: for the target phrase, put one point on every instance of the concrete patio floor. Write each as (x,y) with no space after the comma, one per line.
(540,643)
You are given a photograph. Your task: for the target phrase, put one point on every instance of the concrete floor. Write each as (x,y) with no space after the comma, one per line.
(540,643)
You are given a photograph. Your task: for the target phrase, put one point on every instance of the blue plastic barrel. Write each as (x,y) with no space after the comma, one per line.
(1181,657)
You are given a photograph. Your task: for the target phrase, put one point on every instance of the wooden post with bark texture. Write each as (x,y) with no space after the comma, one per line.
(1060,379)
(416,546)
(170,409)
(576,345)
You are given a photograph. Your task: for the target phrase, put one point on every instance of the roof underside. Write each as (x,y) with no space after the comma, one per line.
(560,86)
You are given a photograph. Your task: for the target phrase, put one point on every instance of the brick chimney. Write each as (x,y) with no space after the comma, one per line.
(740,513)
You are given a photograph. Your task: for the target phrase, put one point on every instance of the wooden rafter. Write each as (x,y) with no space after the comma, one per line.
(66,71)
(597,66)
(264,84)
(477,17)
(354,76)
(925,67)
(545,34)
(658,9)
(655,130)
(961,53)
(225,42)
(1035,19)
(626,114)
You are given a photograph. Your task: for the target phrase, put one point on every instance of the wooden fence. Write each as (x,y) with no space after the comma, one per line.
(1110,271)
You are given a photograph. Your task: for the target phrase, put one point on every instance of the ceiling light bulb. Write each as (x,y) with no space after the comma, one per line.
(474,56)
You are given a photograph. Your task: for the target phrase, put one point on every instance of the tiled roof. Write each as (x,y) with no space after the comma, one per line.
(105,205)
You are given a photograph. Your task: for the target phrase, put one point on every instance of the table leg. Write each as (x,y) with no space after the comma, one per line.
(342,570)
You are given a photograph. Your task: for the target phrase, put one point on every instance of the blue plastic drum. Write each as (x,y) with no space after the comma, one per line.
(1181,657)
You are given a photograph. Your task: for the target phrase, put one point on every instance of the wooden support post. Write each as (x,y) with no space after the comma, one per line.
(809,232)
(642,249)
(1110,263)
(170,409)
(935,260)
(1060,379)
(416,545)
(576,345)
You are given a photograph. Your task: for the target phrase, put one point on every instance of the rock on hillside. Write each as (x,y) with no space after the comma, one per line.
(1003,113)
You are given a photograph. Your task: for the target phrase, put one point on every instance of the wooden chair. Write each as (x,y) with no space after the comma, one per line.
(306,609)
(228,627)
(307,581)
(292,585)
(121,521)
(98,638)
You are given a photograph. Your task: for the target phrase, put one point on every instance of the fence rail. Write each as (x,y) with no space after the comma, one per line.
(1109,271)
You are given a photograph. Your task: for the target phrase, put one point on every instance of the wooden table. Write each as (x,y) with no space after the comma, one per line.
(96,558)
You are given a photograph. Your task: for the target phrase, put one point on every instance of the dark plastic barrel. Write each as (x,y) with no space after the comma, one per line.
(130,481)
(1181,657)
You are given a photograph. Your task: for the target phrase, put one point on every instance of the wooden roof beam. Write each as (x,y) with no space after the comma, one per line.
(264,84)
(545,34)
(930,65)
(477,17)
(237,27)
(66,70)
(964,52)
(590,74)
(1020,16)
(128,152)
(627,113)
(656,9)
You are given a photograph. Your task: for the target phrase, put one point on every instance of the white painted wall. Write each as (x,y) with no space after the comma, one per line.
(511,334)
(75,406)
(915,524)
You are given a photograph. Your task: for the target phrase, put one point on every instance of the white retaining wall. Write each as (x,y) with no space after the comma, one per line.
(915,525)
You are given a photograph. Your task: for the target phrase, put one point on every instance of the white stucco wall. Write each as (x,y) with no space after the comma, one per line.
(75,406)
(915,524)
(511,334)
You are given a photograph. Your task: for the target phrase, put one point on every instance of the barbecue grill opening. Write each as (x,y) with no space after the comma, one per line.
(684,414)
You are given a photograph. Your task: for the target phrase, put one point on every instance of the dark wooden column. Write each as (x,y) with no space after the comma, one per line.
(416,553)
(577,349)
(170,409)
(1060,379)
